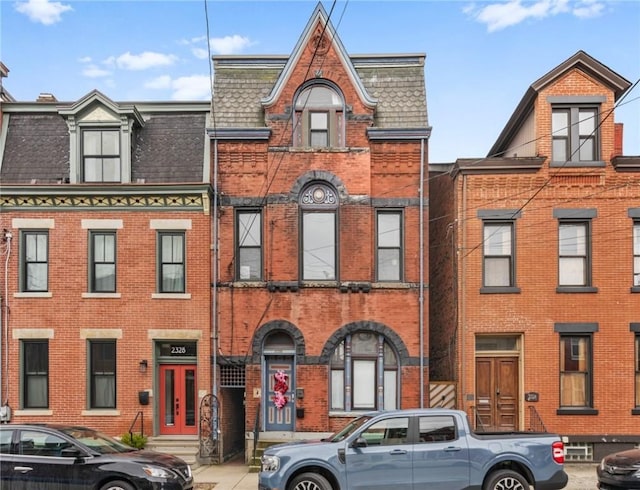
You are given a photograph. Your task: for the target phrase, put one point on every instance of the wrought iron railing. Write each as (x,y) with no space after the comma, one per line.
(256,431)
(535,421)
(139,415)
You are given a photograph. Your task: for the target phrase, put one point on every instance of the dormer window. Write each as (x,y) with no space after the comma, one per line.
(319,117)
(100,136)
(101,156)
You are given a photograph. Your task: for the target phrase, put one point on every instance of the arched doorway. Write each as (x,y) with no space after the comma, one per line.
(279,397)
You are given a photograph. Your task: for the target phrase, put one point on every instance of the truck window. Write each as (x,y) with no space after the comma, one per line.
(437,428)
(387,432)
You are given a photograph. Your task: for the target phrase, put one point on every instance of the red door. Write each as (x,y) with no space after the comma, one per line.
(178,399)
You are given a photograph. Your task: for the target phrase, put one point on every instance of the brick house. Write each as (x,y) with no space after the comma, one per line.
(535,268)
(318,161)
(106,259)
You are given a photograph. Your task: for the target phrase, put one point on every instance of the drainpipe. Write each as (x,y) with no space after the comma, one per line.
(5,412)
(214,275)
(462,251)
(421,293)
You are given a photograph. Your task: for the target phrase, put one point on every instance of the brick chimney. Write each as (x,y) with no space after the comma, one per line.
(46,97)
(617,140)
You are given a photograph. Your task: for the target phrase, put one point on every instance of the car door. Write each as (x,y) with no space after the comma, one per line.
(6,458)
(382,459)
(440,457)
(38,462)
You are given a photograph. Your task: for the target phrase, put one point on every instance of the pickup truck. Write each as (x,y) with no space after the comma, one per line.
(431,449)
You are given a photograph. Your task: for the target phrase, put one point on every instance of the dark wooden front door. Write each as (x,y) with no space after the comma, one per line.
(497,393)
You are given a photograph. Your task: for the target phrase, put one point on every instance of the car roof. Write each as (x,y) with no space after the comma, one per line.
(32,425)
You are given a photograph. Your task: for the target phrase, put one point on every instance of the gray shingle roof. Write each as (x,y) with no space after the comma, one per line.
(169,148)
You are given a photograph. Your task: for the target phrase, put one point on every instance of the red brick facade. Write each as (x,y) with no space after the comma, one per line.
(537,312)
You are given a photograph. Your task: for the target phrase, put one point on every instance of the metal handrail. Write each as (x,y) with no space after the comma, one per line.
(535,421)
(256,431)
(141,415)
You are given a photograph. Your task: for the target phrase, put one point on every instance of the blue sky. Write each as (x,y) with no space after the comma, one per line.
(481,56)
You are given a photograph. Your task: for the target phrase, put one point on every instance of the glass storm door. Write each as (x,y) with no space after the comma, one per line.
(178,399)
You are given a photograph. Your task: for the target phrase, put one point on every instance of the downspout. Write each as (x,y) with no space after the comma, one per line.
(214,275)
(421,294)
(4,334)
(462,290)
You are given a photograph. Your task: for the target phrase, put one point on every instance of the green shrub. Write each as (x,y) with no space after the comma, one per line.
(134,440)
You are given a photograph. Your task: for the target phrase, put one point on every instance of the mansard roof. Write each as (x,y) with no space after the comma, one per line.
(392,84)
(168,139)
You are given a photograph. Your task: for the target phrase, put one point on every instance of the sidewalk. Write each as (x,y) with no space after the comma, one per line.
(234,475)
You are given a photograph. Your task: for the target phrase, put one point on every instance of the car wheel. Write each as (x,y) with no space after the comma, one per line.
(117,485)
(506,480)
(310,481)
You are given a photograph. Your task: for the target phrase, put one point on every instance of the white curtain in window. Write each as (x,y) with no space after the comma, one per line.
(337,389)
(364,384)
(390,388)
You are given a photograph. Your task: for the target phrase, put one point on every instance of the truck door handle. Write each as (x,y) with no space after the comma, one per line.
(22,469)
(451,449)
(398,451)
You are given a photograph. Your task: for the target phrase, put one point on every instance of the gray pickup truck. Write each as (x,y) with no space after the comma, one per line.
(430,449)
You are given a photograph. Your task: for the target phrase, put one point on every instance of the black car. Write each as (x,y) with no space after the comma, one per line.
(34,456)
(620,471)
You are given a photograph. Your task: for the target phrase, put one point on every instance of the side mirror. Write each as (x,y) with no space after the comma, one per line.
(71,452)
(359,442)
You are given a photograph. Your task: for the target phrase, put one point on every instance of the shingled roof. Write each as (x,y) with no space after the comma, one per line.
(168,141)
(396,84)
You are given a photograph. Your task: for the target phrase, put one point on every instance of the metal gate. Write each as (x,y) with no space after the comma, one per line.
(209,428)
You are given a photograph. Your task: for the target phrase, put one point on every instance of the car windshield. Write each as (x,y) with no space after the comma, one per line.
(348,429)
(97,441)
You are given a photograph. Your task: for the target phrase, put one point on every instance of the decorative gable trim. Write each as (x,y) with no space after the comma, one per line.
(319,17)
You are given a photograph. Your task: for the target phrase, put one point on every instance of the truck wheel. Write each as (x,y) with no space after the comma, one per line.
(310,481)
(506,480)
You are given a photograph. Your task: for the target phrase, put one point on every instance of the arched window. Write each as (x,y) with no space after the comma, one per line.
(364,373)
(319,121)
(318,205)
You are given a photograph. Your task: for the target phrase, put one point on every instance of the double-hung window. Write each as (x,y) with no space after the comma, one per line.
(102,374)
(575,131)
(498,250)
(319,205)
(574,249)
(364,373)
(576,364)
(102,258)
(35,377)
(319,116)
(171,257)
(389,246)
(35,261)
(249,245)
(101,155)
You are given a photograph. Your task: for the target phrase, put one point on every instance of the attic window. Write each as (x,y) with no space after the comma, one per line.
(319,117)
(101,156)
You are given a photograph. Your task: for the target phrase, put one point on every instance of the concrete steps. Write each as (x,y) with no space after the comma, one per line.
(184,447)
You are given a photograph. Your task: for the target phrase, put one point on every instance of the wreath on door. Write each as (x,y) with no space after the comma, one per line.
(280,389)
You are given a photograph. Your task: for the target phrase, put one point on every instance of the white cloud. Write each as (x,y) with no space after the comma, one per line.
(142,61)
(200,53)
(194,87)
(85,59)
(43,11)
(93,71)
(162,82)
(588,9)
(229,44)
(501,15)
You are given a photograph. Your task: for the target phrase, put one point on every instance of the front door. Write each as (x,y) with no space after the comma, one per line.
(280,399)
(178,399)
(497,393)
